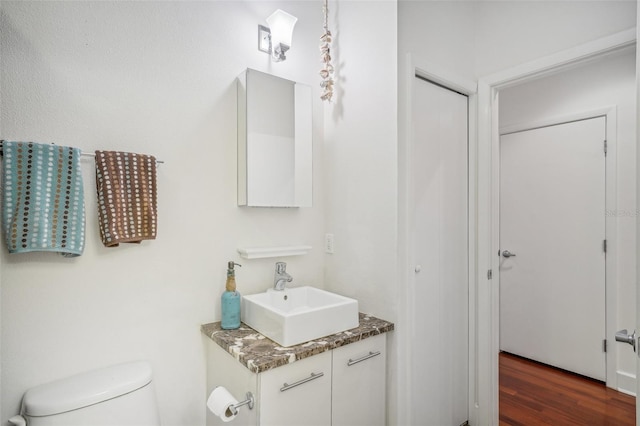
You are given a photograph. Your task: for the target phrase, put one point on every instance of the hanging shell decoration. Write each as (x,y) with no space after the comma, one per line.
(326,73)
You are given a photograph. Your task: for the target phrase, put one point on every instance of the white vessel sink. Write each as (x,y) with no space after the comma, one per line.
(297,315)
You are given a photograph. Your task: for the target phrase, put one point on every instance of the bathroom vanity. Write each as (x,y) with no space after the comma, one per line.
(334,380)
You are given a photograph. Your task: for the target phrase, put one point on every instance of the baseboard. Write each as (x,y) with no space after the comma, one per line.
(626,382)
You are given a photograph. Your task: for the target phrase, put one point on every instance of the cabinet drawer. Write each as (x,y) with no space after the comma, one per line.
(359,383)
(297,394)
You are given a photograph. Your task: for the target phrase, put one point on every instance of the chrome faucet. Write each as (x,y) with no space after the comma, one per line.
(281,277)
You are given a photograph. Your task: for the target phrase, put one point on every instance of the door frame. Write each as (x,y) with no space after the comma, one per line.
(409,70)
(611,223)
(487,236)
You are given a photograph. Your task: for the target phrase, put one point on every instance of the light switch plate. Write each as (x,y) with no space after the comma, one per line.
(328,243)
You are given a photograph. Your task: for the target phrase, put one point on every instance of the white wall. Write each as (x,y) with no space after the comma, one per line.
(150,77)
(440,35)
(360,141)
(509,33)
(471,39)
(606,83)
(361,160)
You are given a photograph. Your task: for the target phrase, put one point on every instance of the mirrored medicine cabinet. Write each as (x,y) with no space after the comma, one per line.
(275,161)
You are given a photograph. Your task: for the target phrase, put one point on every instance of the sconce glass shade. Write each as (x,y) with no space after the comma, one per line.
(281,25)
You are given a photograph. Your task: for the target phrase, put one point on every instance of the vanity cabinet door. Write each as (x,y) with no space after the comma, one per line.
(359,383)
(297,394)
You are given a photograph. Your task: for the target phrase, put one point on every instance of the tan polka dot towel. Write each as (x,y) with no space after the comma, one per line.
(127,197)
(42,198)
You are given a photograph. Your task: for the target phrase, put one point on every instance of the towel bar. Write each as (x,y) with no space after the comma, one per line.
(84,154)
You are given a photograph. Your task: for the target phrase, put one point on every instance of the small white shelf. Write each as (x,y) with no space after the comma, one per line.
(264,252)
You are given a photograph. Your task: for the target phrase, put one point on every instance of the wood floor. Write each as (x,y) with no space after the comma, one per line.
(535,394)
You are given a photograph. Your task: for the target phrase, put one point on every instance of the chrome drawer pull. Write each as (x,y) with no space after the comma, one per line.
(313,376)
(364,358)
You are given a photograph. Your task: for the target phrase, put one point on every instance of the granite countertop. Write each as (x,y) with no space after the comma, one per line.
(258,353)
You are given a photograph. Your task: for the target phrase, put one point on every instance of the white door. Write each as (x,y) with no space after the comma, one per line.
(439,366)
(552,217)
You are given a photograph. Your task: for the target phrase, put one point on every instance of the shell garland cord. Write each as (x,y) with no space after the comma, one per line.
(326,72)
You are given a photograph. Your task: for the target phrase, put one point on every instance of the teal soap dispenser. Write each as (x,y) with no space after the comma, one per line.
(231,300)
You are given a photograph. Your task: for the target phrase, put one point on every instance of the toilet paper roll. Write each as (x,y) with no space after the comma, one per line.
(220,402)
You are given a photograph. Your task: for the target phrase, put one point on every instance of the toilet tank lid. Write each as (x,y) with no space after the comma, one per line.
(85,389)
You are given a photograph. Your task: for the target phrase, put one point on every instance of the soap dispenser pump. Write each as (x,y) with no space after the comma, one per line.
(231,300)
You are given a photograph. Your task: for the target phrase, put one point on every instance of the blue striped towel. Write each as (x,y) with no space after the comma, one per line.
(43,198)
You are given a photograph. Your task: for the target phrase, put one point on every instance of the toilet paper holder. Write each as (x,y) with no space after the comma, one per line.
(249,401)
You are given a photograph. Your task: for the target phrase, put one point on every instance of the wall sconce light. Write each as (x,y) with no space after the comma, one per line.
(276,39)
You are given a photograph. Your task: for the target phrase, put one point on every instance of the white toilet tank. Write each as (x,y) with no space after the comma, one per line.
(120,395)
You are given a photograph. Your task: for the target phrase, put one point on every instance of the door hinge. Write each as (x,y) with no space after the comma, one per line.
(604,345)
(490,274)
(604,245)
(605,147)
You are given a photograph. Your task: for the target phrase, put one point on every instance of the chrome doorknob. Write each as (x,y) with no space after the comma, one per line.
(507,253)
(622,336)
